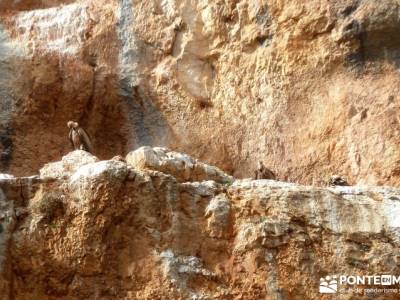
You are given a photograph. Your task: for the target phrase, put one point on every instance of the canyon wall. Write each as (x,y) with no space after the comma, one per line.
(162,225)
(311,88)
(308,87)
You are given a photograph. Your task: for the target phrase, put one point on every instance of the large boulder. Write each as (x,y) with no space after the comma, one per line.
(90,178)
(68,164)
(182,166)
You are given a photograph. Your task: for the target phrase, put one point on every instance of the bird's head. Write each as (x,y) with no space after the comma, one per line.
(72,124)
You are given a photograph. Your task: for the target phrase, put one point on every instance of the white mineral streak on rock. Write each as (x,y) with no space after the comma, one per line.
(129,57)
(179,269)
(6,176)
(58,29)
(8,50)
(8,47)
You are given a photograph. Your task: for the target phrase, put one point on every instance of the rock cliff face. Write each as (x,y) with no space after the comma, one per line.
(310,87)
(116,229)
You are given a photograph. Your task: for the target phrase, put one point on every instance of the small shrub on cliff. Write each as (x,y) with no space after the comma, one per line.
(49,206)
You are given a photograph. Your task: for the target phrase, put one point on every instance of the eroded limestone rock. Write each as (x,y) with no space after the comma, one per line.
(181,166)
(218,214)
(68,165)
(137,233)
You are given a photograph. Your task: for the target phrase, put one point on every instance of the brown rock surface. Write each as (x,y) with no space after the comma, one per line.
(309,87)
(107,231)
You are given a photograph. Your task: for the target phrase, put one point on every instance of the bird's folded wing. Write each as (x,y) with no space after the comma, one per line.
(70,139)
(85,140)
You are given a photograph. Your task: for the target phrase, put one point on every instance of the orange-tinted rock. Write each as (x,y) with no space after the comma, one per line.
(310,88)
(99,232)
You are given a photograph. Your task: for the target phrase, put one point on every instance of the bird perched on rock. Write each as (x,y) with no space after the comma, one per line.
(79,138)
(263,173)
(337,180)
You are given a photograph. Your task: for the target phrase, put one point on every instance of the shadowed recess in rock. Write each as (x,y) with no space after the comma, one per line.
(374,31)
(148,124)
(6,147)
(6,99)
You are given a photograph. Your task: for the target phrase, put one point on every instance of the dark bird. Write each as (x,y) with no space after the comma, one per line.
(78,137)
(263,173)
(337,180)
